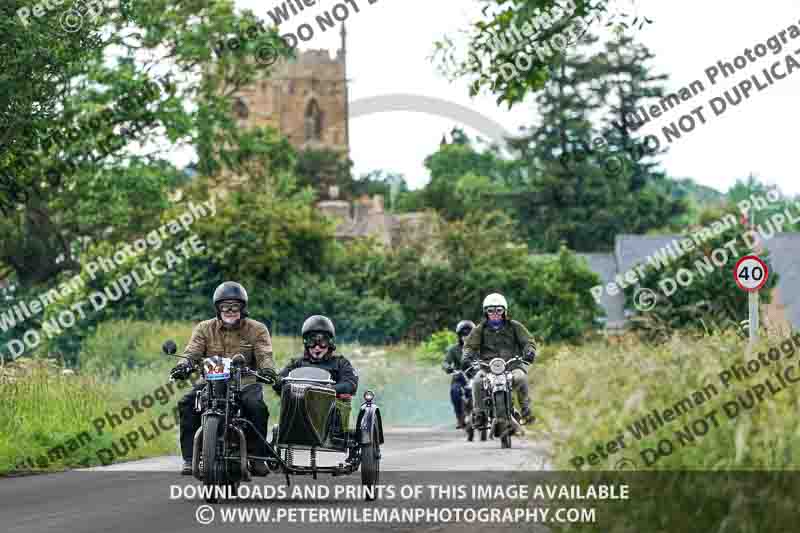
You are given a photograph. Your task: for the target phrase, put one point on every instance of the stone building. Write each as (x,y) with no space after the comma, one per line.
(366,217)
(304,98)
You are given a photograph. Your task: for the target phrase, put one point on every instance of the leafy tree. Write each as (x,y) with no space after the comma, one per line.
(321,168)
(549,294)
(510,50)
(578,194)
(82,138)
(453,161)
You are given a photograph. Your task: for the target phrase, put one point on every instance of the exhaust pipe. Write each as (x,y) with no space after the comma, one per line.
(243,454)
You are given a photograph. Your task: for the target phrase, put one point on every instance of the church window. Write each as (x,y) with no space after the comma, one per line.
(313,121)
(240,108)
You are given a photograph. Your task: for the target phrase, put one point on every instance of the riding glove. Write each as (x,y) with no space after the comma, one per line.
(180,372)
(268,373)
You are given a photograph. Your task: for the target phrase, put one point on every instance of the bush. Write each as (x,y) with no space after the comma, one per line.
(432,350)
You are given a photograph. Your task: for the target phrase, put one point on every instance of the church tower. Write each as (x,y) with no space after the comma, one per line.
(304,98)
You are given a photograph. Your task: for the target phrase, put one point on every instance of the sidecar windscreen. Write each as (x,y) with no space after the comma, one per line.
(309,372)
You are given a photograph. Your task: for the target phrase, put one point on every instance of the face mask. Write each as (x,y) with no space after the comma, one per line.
(495,324)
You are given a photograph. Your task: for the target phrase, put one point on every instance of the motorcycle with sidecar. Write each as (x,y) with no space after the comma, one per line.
(312,417)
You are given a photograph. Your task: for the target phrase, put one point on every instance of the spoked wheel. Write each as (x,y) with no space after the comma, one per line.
(484,434)
(211,469)
(371,463)
(505,440)
(470,432)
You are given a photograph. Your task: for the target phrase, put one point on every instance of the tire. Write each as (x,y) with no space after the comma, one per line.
(484,434)
(210,467)
(505,441)
(371,463)
(470,433)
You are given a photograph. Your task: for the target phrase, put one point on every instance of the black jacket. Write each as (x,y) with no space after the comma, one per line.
(342,372)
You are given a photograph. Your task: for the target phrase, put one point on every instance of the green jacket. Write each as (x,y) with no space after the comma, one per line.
(511,340)
(452,357)
(251,339)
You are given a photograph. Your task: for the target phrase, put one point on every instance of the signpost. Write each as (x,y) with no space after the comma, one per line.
(750,274)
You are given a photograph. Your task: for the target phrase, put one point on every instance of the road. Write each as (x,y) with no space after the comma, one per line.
(135,497)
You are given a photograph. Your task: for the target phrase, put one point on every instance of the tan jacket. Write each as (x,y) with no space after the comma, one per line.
(251,339)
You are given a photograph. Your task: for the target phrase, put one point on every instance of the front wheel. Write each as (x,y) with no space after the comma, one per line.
(371,463)
(505,440)
(484,434)
(211,469)
(470,432)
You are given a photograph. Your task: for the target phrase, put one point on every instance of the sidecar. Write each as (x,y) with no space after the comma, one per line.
(314,418)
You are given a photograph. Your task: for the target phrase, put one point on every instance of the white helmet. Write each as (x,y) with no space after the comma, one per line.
(495,300)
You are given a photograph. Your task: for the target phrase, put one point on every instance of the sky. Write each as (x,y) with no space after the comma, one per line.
(390,44)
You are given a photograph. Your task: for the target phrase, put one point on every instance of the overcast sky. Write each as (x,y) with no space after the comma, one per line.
(389,43)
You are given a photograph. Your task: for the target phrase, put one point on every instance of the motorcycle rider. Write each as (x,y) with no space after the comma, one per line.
(319,351)
(230,333)
(452,363)
(499,336)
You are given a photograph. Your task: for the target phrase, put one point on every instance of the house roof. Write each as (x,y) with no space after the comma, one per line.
(784,260)
(632,249)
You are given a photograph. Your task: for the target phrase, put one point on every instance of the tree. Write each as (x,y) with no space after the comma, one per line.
(319,169)
(85,121)
(575,194)
(446,192)
(510,50)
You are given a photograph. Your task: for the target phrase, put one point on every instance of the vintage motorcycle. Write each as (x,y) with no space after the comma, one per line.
(500,418)
(466,400)
(313,417)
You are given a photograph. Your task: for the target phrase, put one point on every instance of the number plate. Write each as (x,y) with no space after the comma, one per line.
(217,368)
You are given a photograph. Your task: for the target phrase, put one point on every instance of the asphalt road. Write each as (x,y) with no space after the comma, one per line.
(135,497)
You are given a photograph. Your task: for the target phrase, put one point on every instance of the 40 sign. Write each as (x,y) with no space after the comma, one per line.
(750,273)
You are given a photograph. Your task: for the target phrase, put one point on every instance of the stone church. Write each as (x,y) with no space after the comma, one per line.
(306,99)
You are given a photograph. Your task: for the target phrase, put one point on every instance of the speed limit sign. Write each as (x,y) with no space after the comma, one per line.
(750,273)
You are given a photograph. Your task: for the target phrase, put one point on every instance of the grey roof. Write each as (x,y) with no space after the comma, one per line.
(605,266)
(784,251)
(633,249)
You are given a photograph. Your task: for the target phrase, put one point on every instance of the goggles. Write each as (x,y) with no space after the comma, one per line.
(495,310)
(230,308)
(319,339)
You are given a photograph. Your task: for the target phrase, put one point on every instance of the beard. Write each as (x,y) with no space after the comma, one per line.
(230,321)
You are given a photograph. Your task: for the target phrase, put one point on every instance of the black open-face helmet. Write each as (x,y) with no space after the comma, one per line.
(318,328)
(230,290)
(465,327)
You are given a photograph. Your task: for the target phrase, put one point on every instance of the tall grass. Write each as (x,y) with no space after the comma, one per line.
(587,396)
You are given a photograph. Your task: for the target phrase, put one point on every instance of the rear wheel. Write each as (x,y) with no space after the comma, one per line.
(470,432)
(505,440)
(484,434)
(211,469)
(371,463)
